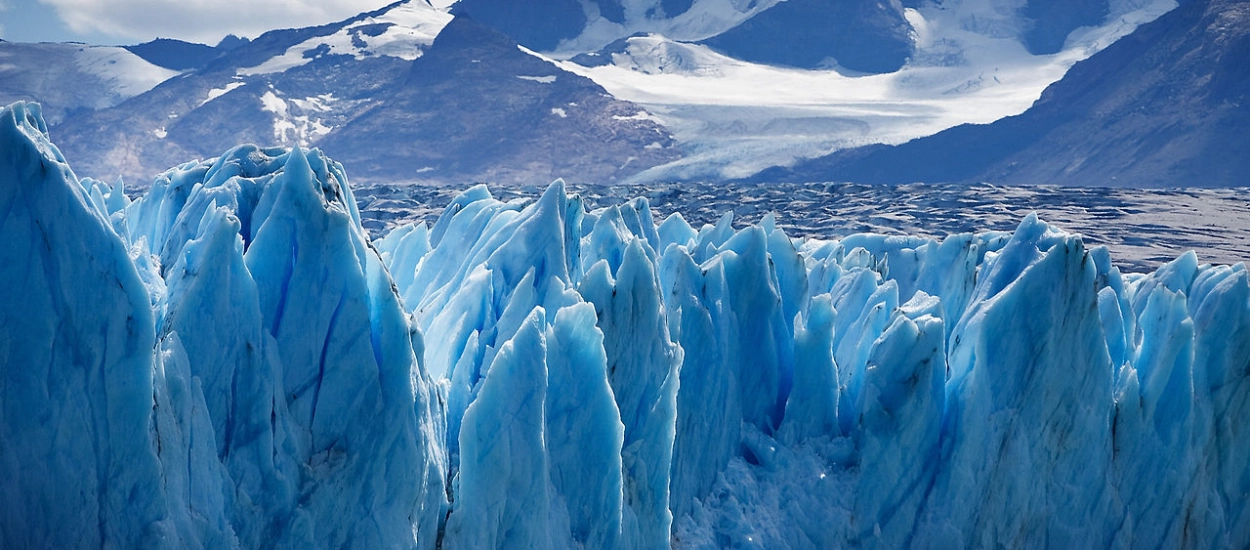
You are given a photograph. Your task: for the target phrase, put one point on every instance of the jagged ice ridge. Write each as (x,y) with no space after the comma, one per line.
(229,361)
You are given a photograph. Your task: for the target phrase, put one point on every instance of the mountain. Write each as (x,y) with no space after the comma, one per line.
(965,62)
(180,55)
(172,54)
(567,27)
(336,86)
(74,78)
(1048,23)
(665,90)
(539,25)
(1165,106)
(863,36)
(811,30)
(511,118)
(228,361)
(868,36)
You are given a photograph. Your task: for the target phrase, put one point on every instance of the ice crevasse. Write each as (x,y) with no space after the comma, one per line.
(230,361)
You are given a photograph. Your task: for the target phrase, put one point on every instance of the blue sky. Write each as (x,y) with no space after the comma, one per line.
(135,21)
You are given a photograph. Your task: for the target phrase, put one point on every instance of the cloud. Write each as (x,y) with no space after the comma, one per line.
(205,21)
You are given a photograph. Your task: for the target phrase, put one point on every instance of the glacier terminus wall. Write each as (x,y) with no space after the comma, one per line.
(229,361)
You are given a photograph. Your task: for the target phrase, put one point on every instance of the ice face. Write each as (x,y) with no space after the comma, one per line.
(78,365)
(228,361)
(246,367)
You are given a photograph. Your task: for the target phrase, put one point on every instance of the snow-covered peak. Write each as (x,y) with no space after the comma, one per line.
(403,31)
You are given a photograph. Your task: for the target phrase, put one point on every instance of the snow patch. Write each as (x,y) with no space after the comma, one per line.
(130,74)
(406,31)
(218,92)
(291,128)
(543,79)
(321,103)
(293,57)
(640,115)
(559,112)
(270,102)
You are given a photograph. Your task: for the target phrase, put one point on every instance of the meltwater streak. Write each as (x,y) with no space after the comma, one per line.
(1143,228)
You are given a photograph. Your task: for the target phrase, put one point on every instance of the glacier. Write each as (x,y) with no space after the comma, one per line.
(229,360)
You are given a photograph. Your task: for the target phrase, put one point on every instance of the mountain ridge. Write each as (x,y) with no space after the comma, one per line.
(709,100)
(300,87)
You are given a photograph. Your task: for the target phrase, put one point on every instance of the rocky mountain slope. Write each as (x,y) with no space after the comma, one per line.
(512,118)
(346,86)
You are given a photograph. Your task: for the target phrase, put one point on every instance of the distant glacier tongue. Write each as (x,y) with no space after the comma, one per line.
(229,361)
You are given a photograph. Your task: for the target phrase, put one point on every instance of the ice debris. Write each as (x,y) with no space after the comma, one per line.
(228,361)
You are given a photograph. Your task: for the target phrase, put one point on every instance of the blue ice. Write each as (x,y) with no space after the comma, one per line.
(228,360)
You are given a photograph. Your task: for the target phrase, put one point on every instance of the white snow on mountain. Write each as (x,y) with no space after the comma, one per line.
(218,92)
(128,74)
(403,31)
(736,118)
(74,76)
(299,125)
